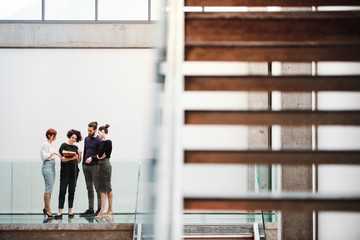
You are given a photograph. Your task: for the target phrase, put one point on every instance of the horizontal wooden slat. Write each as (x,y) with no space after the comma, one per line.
(257,3)
(272,83)
(280,36)
(273,117)
(272,157)
(272,27)
(276,53)
(282,202)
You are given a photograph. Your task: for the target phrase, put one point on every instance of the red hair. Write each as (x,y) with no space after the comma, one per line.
(50,132)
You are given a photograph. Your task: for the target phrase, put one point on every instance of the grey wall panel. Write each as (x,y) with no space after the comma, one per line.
(77,35)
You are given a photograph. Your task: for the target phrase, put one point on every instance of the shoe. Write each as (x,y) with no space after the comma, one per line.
(96,213)
(58,216)
(45,213)
(71,215)
(99,215)
(109,214)
(87,213)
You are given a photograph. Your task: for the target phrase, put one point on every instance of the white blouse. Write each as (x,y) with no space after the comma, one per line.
(46,149)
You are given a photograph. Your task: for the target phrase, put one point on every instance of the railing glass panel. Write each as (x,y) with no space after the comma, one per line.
(22,187)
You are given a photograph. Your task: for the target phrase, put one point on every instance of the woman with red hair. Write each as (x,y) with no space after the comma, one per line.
(48,154)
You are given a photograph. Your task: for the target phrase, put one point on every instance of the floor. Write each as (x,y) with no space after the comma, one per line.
(189,218)
(35,219)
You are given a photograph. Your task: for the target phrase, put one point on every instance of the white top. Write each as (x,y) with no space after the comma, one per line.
(46,149)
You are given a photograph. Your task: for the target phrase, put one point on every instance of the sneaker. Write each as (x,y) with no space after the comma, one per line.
(97,212)
(87,213)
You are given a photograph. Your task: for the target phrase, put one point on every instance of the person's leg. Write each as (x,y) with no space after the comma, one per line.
(95,173)
(109,190)
(103,202)
(110,199)
(72,187)
(89,186)
(64,182)
(47,197)
(48,172)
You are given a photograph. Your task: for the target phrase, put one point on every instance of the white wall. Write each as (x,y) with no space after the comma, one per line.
(68,88)
(64,89)
(339,179)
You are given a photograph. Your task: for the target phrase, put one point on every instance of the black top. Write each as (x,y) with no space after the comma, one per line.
(71,165)
(105,147)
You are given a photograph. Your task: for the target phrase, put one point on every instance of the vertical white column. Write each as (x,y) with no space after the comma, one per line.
(169,193)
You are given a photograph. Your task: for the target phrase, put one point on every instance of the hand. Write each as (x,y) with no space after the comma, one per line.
(88,160)
(79,151)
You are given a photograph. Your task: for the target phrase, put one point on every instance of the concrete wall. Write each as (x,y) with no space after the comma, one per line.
(77,35)
(43,88)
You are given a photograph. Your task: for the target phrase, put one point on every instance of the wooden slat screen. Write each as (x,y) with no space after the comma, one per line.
(260,118)
(272,83)
(265,3)
(300,202)
(293,36)
(272,157)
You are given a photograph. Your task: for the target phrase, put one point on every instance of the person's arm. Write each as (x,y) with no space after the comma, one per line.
(101,154)
(44,153)
(79,156)
(64,159)
(84,148)
(61,148)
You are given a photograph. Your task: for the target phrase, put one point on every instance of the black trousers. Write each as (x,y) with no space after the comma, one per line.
(68,180)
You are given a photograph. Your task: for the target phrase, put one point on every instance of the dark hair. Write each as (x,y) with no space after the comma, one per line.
(105,128)
(76,132)
(93,125)
(50,132)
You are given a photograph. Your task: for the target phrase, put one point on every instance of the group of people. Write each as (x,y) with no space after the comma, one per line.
(96,168)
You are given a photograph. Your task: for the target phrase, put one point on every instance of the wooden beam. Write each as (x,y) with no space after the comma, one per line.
(264,3)
(297,202)
(260,118)
(272,83)
(273,27)
(273,36)
(275,53)
(284,157)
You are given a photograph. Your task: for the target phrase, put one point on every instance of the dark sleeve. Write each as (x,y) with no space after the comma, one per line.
(76,149)
(84,153)
(61,149)
(102,149)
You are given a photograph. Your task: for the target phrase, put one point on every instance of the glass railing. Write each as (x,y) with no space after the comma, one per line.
(217,223)
(235,223)
(22,193)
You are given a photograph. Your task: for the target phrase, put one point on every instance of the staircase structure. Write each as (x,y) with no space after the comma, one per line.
(295,32)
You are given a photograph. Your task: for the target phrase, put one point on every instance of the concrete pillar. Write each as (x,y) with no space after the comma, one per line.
(258,136)
(296,178)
